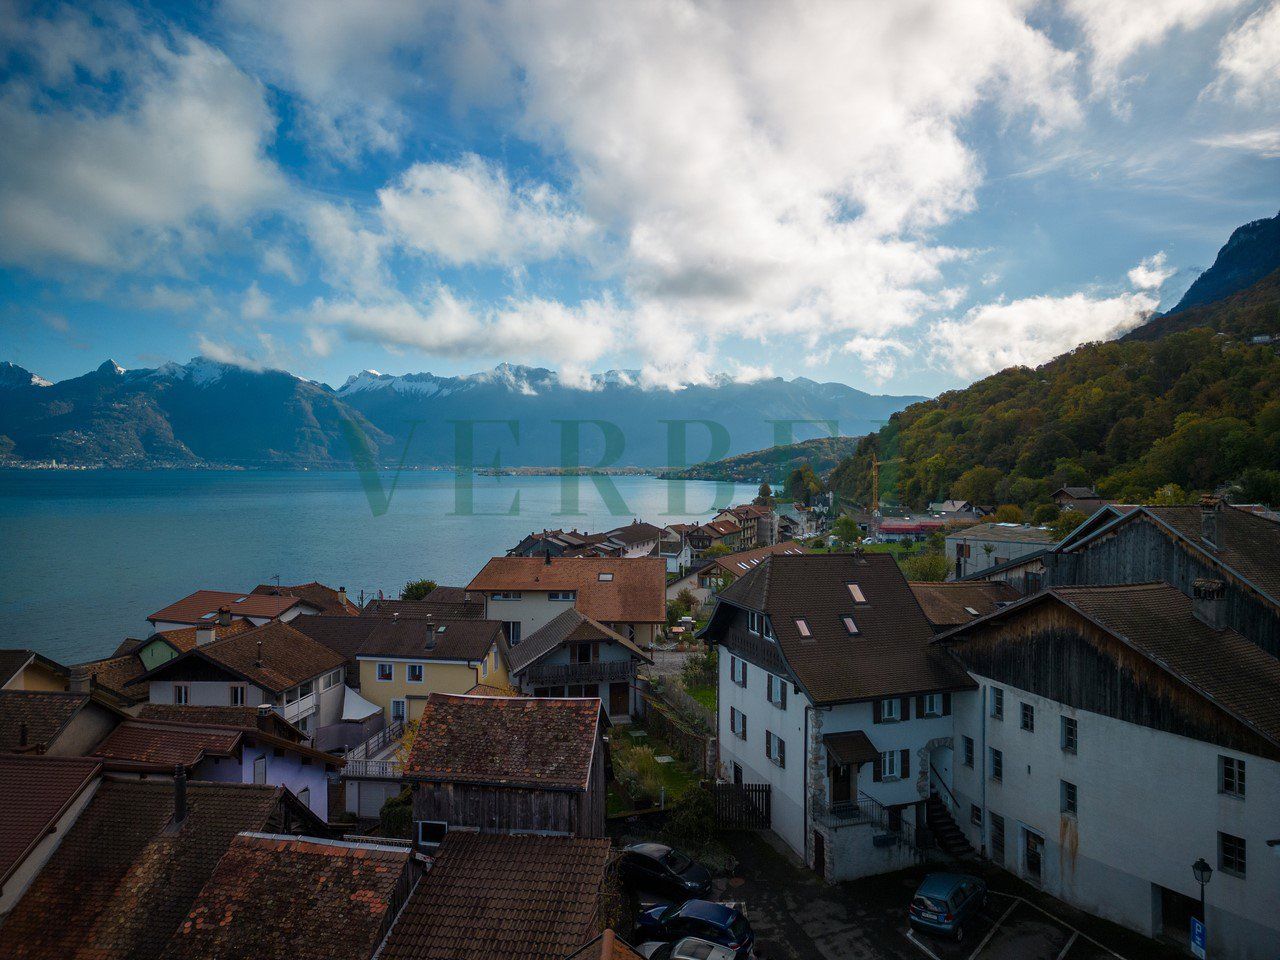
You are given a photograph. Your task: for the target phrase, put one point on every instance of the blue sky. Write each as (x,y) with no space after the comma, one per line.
(903,197)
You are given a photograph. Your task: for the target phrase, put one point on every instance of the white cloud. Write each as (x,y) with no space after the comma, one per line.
(1249,59)
(158,141)
(1264,142)
(1152,272)
(350,250)
(276,259)
(1031,331)
(468,212)
(255,304)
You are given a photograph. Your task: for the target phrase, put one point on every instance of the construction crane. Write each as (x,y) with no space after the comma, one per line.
(876,464)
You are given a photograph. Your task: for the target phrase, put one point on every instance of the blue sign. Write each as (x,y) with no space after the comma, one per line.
(1197,938)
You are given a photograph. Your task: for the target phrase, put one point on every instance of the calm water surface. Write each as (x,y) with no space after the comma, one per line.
(85,556)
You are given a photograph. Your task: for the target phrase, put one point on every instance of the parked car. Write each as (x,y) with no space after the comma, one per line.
(690,948)
(716,922)
(946,903)
(657,867)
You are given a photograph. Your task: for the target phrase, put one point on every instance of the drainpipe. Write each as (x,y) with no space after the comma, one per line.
(983,768)
(808,836)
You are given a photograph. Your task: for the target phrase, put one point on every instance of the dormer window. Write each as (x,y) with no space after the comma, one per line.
(803,627)
(768,631)
(753,622)
(604,577)
(850,626)
(855,591)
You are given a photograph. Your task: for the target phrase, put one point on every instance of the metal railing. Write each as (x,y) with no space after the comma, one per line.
(300,707)
(948,798)
(601,671)
(377,743)
(373,769)
(869,811)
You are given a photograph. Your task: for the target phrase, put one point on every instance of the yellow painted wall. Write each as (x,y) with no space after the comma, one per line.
(36,677)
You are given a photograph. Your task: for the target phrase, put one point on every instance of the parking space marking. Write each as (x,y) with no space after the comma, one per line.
(1078,933)
(992,932)
(1075,934)
(911,935)
(1067,948)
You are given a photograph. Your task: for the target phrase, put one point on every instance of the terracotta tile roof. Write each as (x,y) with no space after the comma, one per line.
(721,528)
(634,590)
(184,638)
(44,715)
(34,793)
(114,674)
(158,745)
(488,690)
(1004,533)
(273,656)
(469,609)
(197,606)
(570,626)
(243,718)
(736,564)
(124,877)
(891,655)
(324,599)
(949,604)
(607,946)
(494,896)
(444,594)
(519,741)
(287,898)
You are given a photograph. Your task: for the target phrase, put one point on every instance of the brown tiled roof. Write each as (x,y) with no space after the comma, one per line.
(444,594)
(243,718)
(1004,532)
(45,715)
(432,639)
(493,896)
(123,877)
(195,607)
(948,604)
(736,564)
(342,635)
(323,598)
(472,609)
(635,594)
(114,674)
(159,745)
(518,741)
(891,655)
(184,638)
(722,528)
(635,532)
(607,946)
(34,794)
(273,656)
(287,898)
(488,690)
(852,747)
(570,626)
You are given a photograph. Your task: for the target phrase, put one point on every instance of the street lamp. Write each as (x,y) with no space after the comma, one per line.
(1202,872)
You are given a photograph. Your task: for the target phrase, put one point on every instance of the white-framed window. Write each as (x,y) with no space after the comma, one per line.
(1028,718)
(1070,735)
(431,833)
(505,595)
(238,694)
(997,703)
(889,765)
(260,770)
(968,752)
(1070,798)
(767,630)
(1231,776)
(604,577)
(777,691)
(775,748)
(484,668)
(182,693)
(738,723)
(386,672)
(997,765)
(738,671)
(331,680)
(753,622)
(855,591)
(932,703)
(1231,855)
(563,595)
(398,711)
(415,672)
(512,629)
(891,709)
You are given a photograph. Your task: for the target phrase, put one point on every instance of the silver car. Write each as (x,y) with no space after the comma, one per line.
(690,948)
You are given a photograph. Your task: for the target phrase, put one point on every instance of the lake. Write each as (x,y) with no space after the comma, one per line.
(85,556)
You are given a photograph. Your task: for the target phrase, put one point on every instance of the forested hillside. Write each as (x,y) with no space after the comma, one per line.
(774,464)
(1196,405)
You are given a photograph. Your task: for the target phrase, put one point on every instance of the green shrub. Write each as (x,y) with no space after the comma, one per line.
(396,816)
(692,821)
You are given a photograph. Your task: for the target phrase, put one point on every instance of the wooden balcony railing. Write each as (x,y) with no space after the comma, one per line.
(602,671)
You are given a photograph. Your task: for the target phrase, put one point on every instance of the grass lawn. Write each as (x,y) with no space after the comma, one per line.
(636,757)
(705,696)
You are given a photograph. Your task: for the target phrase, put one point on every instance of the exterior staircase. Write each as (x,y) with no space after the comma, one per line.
(949,836)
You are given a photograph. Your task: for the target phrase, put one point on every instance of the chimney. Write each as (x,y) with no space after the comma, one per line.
(224,616)
(258,661)
(1208,602)
(204,634)
(547,557)
(24,736)
(264,717)
(179,794)
(80,680)
(342,595)
(1209,507)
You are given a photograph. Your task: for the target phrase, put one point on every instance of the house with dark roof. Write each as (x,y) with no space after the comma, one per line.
(276,897)
(508,765)
(65,724)
(831,692)
(948,605)
(626,594)
(514,897)
(27,670)
(204,606)
(1119,734)
(128,869)
(715,573)
(985,545)
(575,656)
(442,603)
(704,536)
(272,664)
(325,599)
(636,539)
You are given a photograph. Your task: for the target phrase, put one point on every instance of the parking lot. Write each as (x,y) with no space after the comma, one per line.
(1010,928)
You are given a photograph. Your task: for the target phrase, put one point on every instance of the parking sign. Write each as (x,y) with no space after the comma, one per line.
(1197,938)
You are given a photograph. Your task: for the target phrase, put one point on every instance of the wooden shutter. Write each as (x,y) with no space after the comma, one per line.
(905,709)
(877,716)
(782,694)
(946,704)
(877,770)
(904,762)
(920,706)
(781,747)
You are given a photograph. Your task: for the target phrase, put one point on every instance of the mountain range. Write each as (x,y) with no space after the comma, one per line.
(205,413)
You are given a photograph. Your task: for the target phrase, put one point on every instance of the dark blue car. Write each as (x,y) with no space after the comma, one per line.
(947,903)
(698,918)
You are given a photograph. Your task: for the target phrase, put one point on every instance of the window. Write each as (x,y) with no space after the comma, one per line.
(1231,854)
(304,796)
(1070,735)
(569,595)
(777,689)
(738,723)
(484,668)
(414,670)
(386,671)
(975,814)
(260,770)
(890,710)
(305,689)
(505,595)
(889,765)
(1068,798)
(1028,718)
(738,671)
(997,838)
(753,622)
(775,748)
(931,704)
(768,631)
(855,591)
(512,628)
(803,627)
(1231,776)
(997,765)
(182,693)
(968,752)
(431,833)
(238,695)
(850,626)
(997,703)
(604,577)
(398,711)
(331,680)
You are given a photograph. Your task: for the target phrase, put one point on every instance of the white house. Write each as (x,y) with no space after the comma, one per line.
(830,691)
(985,545)
(1119,735)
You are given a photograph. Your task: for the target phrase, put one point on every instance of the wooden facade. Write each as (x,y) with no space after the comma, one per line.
(732,634)
(1137,551)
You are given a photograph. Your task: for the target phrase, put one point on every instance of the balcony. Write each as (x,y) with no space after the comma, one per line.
(603,671)
(372,769)
(891,828)
(302,707)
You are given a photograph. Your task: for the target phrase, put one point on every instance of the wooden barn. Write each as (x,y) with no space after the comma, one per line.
(508,765)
